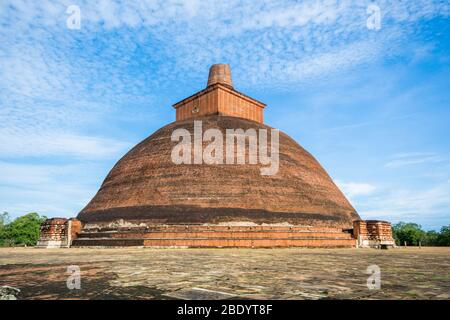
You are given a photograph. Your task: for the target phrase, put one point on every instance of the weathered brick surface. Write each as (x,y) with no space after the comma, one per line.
(76,227)
(373,232)
(54,229)
(146,185)
(220,98)
(220,73)
(146,188)
(218,236)
(58,232)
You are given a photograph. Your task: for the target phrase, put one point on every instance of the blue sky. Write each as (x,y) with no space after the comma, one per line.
(373,106)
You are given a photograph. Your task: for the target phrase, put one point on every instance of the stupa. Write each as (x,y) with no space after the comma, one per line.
(148,199)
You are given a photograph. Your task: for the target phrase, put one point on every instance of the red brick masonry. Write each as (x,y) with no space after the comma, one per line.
(58,232)
(215,236)
(219,97)
(54,233)
(373,233)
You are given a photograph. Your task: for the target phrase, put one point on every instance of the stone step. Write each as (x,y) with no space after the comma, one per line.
(215,234)
(107,242)
(192,228)
(208,242)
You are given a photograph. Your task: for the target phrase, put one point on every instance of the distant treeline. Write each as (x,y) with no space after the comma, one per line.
(24,231)
(412,234)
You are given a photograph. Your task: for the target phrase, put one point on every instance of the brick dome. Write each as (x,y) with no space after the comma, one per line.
(146,186)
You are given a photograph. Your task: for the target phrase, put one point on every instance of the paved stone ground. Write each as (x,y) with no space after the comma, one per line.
(406,273)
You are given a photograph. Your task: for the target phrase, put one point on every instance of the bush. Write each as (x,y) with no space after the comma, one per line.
(443,238)
(22,231)
(411,233)
(430,238)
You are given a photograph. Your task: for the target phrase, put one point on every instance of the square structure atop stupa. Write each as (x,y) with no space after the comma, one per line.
(219,97)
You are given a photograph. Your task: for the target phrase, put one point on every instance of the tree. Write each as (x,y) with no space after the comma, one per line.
(22,231)
(443,238)
(430,238)
(412,233)
(4,219)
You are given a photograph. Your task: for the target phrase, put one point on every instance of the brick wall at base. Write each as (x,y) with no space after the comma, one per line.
(58,232)
(373,233)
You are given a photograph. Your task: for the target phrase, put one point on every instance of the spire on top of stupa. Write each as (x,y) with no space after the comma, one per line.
(220,73)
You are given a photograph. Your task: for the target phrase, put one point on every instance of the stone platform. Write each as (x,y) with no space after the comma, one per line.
(288,273)
(215,236)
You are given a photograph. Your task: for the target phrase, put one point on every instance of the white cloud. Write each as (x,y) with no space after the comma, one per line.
(53,190)
(422,205)
(271,42)
(355,189)
(58,144)
(406,159)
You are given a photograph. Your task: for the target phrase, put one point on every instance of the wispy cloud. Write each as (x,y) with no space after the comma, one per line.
(58,144)
(423,205)
(406,159)
(273,43)
(53,190)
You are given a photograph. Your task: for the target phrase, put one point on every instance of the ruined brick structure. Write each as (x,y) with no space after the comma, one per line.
(58,232)
(148,200)
(373,233)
